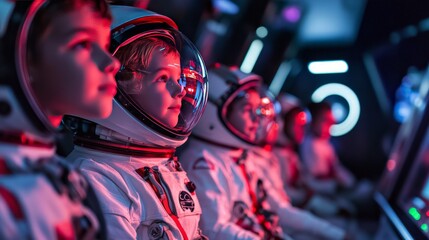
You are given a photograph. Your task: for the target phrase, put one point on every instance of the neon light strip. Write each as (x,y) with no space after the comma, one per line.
(251,56)
(280,78)
(325,67)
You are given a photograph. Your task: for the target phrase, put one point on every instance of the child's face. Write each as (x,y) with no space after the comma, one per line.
(296,128)
(243,115)
(322,125)
(73,72)
(161,95)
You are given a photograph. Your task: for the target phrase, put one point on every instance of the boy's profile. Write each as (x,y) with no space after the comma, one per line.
(151,74)
(129,157)
(54,61)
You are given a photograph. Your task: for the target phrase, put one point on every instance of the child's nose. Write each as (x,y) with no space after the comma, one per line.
(114,66)
(176,89)
(108,63)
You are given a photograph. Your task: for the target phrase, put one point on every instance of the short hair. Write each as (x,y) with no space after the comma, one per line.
(317,109)
(53,8)
(138,54)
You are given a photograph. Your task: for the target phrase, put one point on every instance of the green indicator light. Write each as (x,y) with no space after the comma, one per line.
(424,227)
(414,213)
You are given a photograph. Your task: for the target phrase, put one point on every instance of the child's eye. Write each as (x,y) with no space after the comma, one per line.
(82,45)
(162,78)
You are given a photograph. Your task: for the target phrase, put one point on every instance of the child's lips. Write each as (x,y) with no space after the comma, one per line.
(108,88)
(175,108)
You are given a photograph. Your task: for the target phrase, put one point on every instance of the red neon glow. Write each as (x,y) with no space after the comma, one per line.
(265,100)
(391,164)
(301,118)
(191,90)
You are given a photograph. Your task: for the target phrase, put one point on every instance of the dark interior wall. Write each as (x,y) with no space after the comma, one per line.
(361,150)
(393,60)
(366,144)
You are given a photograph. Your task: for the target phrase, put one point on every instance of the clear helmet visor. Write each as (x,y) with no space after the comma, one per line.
(162,80)
(249,113)
(268,127)
(17,46)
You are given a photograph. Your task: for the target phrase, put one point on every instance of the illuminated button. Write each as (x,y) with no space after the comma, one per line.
(414,213)
(424,227)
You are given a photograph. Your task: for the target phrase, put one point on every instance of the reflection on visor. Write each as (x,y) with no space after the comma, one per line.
(130,81)
(266,109)
(193,83)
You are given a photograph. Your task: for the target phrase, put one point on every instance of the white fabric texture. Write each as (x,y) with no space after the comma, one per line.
(320,159)
(47,213)
(220,185)
(129,204)
(294,221)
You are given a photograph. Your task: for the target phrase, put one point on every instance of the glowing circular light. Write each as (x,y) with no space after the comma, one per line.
(261,32)
(343,91)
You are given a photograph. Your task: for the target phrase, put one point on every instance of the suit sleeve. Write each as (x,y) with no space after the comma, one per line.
(214,193)
(9,227)
(114,203)
(295,220)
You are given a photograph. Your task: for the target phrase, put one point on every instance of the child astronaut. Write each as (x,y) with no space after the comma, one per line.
(298,223)
(129,157)
(215,155)
(54,61)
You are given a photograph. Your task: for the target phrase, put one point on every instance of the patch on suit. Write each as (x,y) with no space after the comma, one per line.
(186,201)
(203,164)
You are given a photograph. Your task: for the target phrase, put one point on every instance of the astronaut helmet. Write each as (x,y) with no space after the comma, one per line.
(268,129)
(162,82)
(237,104)
(293,119)
(24,27)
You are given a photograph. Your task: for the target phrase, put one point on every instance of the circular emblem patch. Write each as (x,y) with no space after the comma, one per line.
(186,201)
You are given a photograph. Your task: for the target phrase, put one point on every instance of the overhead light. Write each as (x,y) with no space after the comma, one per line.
(226,6)
(280,77)
(328,67)
(252,56)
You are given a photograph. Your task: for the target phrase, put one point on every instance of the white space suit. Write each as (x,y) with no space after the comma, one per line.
(41,197)
(296,178)
(216,160)
(292,177)
(129,203)
(221,190)
(298,223)
(321,162)
(264,165)
(129,157)
(34,200)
